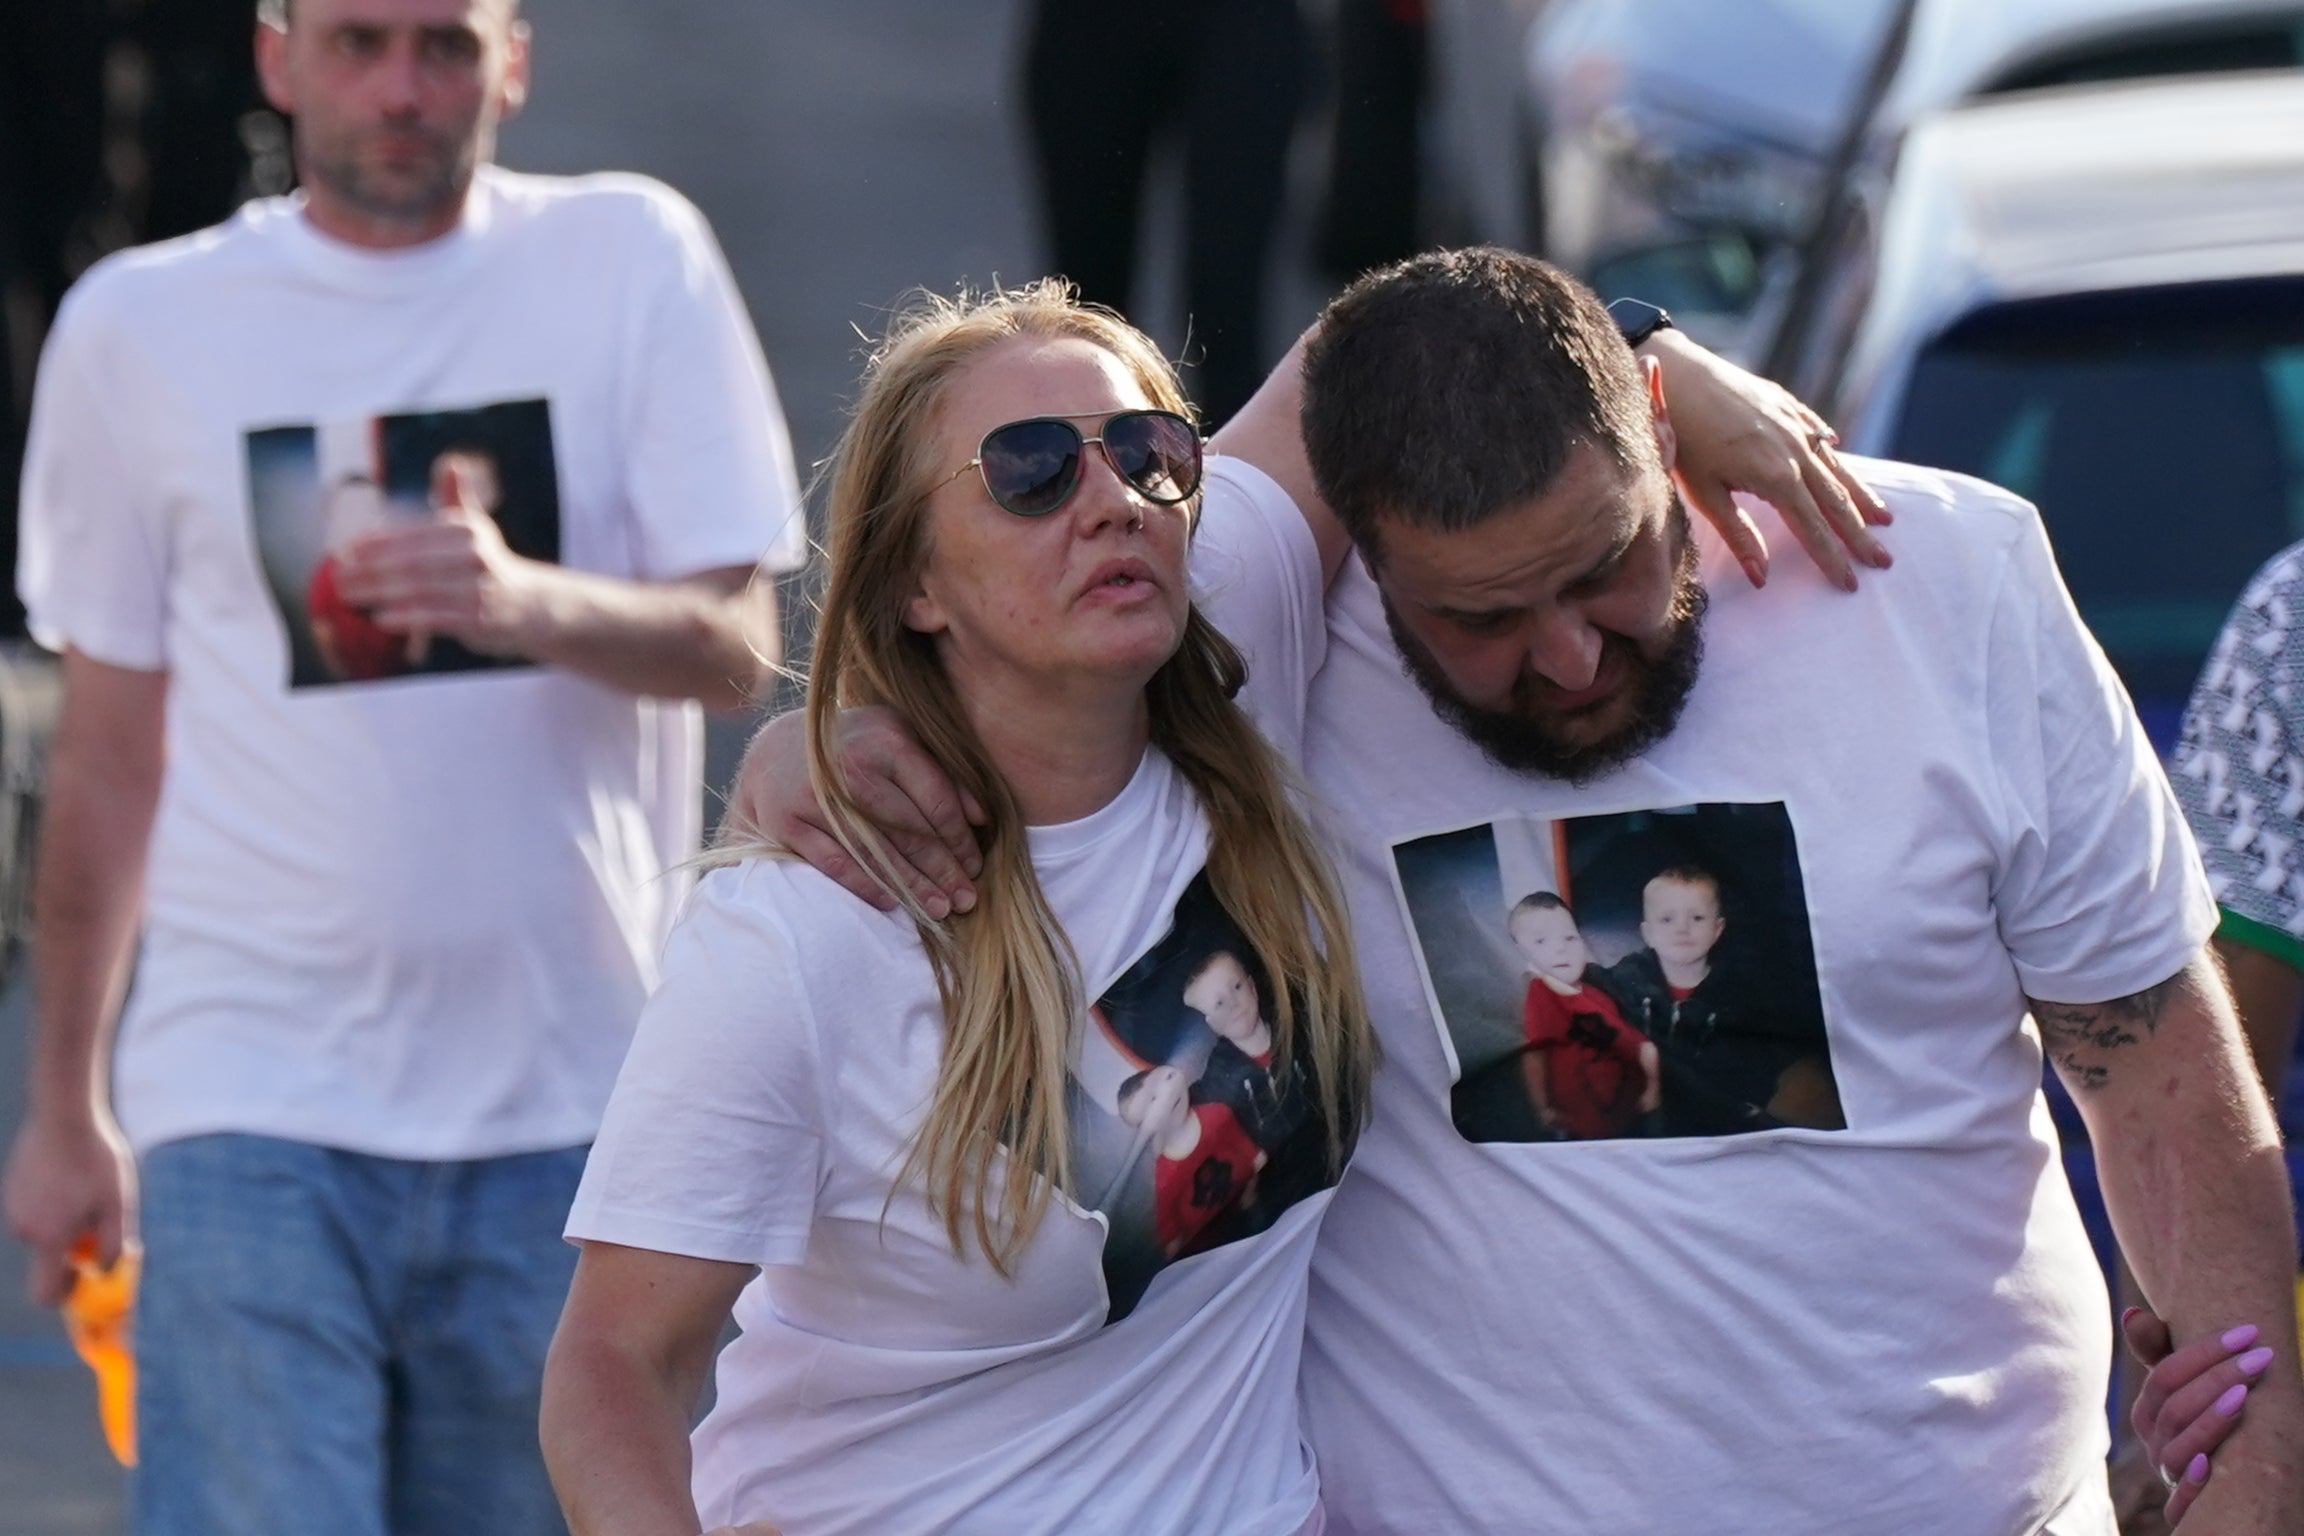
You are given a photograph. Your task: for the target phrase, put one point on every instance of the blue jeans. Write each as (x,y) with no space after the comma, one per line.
(327,1341)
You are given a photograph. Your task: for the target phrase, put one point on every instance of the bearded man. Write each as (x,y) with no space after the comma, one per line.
(1934,851)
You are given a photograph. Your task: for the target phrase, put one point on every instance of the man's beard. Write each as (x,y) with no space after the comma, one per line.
(1526,739)
(447,173)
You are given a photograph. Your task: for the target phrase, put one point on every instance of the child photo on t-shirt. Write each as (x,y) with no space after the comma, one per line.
(1189,1129)
(1645,973)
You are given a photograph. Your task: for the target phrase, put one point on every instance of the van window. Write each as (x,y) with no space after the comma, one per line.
(2204,48)
(2161,433)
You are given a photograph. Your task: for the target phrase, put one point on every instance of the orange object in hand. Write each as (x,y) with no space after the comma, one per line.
(97,1314)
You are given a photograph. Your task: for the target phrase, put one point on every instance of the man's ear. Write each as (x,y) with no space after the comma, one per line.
(1667,445)
(272,67)
(514,92)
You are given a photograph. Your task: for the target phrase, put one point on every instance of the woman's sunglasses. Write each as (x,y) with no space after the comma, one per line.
(1032,467)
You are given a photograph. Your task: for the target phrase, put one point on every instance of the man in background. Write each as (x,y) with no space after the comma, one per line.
(394,931)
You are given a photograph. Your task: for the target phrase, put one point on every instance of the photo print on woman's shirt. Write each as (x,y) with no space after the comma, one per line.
(1640,974)
(316,491)
(1186,1133)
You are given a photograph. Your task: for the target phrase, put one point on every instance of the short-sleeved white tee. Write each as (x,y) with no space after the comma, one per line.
(881,1381)
(402,906)
(1129,1376)
(1836,1281)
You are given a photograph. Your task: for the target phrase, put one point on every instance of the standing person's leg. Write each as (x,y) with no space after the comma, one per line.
(201,83)
(488,1276)
(1368,215)
(1249,61)
(260,1398)
(1100,77)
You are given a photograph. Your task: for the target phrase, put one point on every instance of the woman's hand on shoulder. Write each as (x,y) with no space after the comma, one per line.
(928,822)
(1736,431)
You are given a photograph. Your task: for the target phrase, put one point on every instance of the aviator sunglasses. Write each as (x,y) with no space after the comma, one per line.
(1032,467)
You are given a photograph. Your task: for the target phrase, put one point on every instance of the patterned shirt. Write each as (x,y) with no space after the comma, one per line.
(2239,770)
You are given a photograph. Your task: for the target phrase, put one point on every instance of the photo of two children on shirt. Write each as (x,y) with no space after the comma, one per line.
(1187,1132)
(1643,974)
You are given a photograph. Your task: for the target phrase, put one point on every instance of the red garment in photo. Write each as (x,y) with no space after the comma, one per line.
(1190,1191)
(357,647)
(1589,1056)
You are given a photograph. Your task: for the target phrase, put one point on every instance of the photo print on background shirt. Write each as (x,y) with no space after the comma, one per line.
(314,491)
(1185,1137)
(1639,974)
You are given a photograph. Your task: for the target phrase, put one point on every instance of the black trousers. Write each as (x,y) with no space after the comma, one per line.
(1103,80)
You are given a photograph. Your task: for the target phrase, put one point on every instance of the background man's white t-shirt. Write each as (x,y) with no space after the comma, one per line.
(411,915)
(1924,802)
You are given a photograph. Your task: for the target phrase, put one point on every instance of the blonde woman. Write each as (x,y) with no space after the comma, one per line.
(974,1294)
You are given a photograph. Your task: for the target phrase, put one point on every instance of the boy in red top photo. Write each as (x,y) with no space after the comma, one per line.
(1207,1162)
(1590,1074)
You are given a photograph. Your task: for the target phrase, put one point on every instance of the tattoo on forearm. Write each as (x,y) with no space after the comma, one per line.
(2083,1038)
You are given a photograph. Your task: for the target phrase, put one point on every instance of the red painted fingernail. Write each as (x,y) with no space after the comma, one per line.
(2236,1339)
(2197,1471)
(2234,1396)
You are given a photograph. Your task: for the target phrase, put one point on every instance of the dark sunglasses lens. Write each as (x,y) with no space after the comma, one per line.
(1031,466)
(1157,452)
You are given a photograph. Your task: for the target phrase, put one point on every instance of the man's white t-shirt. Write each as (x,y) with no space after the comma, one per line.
(1917,805)
(401,904)
(1128,1375)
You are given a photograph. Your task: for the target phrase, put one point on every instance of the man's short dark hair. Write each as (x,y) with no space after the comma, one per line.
(1453,385)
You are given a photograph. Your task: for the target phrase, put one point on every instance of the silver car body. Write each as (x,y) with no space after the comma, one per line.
(2121,186)
(1670,131)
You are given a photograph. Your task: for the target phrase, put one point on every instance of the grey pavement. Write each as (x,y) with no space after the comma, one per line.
(845,153)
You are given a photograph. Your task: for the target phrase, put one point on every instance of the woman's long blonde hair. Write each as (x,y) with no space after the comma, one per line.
(1007,976)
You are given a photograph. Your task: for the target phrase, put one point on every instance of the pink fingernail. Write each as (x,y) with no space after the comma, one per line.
(2253,1362)
(2234,1396)
(2237,1339)
(2196,1471)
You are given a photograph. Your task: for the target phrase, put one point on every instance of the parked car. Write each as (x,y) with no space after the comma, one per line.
(2097,300)
(1685,149)
(1677,144)
(1970,50)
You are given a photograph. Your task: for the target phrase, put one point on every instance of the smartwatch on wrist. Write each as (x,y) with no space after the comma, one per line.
(1637,319)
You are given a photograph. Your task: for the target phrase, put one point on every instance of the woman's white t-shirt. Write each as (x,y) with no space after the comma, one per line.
(1138,1369)
(882,1382)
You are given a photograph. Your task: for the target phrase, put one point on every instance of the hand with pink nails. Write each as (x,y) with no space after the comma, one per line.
(2192,1398)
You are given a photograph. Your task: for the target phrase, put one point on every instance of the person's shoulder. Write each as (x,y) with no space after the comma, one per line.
(1942,505)
(128,286)
(2279,580)
(785,915)
(598,203)
(765,888)
(1960,544)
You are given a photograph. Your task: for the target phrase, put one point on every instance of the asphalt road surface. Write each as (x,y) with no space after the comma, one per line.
(845,154)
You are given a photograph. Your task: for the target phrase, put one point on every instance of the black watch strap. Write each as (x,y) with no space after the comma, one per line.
(1637,319)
